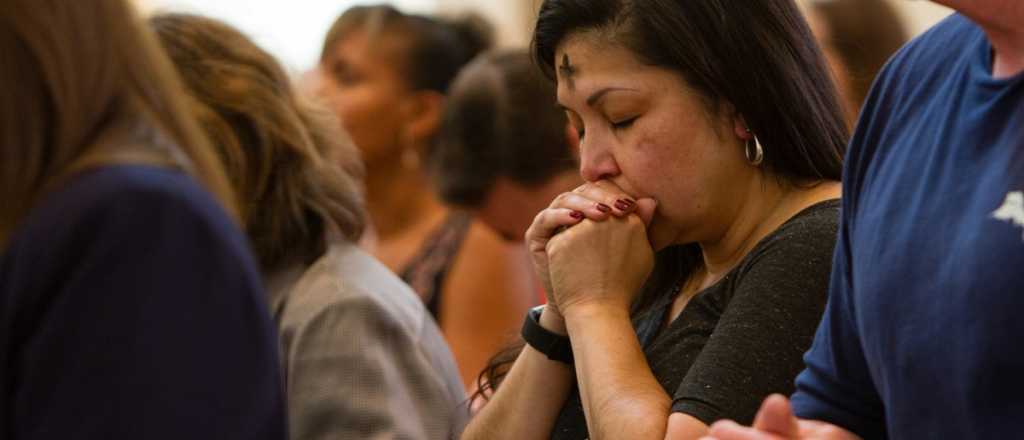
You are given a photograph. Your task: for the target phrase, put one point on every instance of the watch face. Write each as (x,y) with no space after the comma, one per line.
(536,312)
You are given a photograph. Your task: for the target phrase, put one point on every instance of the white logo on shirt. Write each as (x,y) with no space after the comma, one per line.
(1012,210)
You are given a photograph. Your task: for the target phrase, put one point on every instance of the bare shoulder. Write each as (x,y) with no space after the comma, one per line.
(485,296)
(486,262)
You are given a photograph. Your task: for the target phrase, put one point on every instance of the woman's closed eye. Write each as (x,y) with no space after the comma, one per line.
(625,123)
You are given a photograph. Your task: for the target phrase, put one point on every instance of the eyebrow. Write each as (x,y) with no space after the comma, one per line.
(596,96)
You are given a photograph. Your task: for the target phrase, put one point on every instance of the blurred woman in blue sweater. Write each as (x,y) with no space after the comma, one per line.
(130,306)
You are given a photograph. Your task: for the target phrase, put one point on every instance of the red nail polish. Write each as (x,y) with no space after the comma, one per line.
(576,215)
(623,205)
(604,208)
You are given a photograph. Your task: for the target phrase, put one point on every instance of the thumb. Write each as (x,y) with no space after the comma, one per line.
(645,209)
(776,416)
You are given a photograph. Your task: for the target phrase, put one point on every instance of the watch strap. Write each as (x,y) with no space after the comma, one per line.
(553,345)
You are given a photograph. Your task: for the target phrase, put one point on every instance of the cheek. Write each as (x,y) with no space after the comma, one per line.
(368,116)
(672,172)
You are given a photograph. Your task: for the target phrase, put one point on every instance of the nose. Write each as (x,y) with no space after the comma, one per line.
(596,160)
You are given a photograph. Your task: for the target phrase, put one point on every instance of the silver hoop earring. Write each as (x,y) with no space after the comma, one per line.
(755,157)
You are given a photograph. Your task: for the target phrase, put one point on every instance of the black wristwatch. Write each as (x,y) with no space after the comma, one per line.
(555,346)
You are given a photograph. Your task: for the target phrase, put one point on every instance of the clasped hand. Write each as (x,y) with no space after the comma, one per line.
(590,246)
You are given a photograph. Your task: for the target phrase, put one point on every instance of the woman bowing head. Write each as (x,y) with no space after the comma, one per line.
(689,272)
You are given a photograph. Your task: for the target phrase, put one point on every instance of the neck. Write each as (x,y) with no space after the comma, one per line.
(397,198)
(1001,21)
(753,220)
(1009,52)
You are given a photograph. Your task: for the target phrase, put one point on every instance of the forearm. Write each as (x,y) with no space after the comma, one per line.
(621,397)
(529,399)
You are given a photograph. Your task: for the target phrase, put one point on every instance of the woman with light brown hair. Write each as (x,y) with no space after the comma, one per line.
(130,306)
(362,358)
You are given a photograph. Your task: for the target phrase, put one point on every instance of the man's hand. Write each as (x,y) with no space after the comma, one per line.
(775,421)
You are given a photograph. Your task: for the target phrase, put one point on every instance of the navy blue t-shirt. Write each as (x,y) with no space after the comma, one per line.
(922,334)
(131,308)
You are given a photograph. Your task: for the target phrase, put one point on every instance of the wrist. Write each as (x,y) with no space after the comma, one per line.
(556,347)
(594,309)
(553,321)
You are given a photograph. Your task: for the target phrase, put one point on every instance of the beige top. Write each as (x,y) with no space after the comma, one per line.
(363,359)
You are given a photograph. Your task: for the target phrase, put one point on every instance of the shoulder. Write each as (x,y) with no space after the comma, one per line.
(488,276)
(913,83)
(803,245)
(485,254)
(815,226)
(942,40)
(127,207)
(348,302)
(129,195)
(348,283)
(142,185)
(934,49)
(923,65)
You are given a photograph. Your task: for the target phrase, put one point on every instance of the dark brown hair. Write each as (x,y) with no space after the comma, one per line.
(435,49)
(86,85)
(759,56)
(500,121)
(294,169)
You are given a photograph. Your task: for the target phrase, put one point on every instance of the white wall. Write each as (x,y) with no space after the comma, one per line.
(291,30)
(512,19)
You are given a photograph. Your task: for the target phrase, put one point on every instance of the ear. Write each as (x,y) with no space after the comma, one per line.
(740,127)
(423,111)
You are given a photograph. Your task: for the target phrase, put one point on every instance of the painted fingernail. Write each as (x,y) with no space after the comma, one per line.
(604,208)
(624,204)
(576,215)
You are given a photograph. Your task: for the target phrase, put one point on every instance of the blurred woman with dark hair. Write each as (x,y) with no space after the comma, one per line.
(362,358)
(386,74)
(130,306)
(688,275)
(505,150)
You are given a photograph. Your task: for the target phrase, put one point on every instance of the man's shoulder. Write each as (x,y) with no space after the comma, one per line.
(935,49)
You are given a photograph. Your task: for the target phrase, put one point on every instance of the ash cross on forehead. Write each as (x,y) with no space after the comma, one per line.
(567,70)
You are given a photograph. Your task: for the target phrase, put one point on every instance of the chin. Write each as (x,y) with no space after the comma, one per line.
(660,238)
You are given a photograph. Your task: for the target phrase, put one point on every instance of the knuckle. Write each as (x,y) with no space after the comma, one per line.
(562,199)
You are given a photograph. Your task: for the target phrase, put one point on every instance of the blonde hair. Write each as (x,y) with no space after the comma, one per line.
(85,85)
(282,153)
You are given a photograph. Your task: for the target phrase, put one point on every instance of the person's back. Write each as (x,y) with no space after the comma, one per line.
(124,303)
(396,376)
(130,306)
(362,357)
(920,337)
